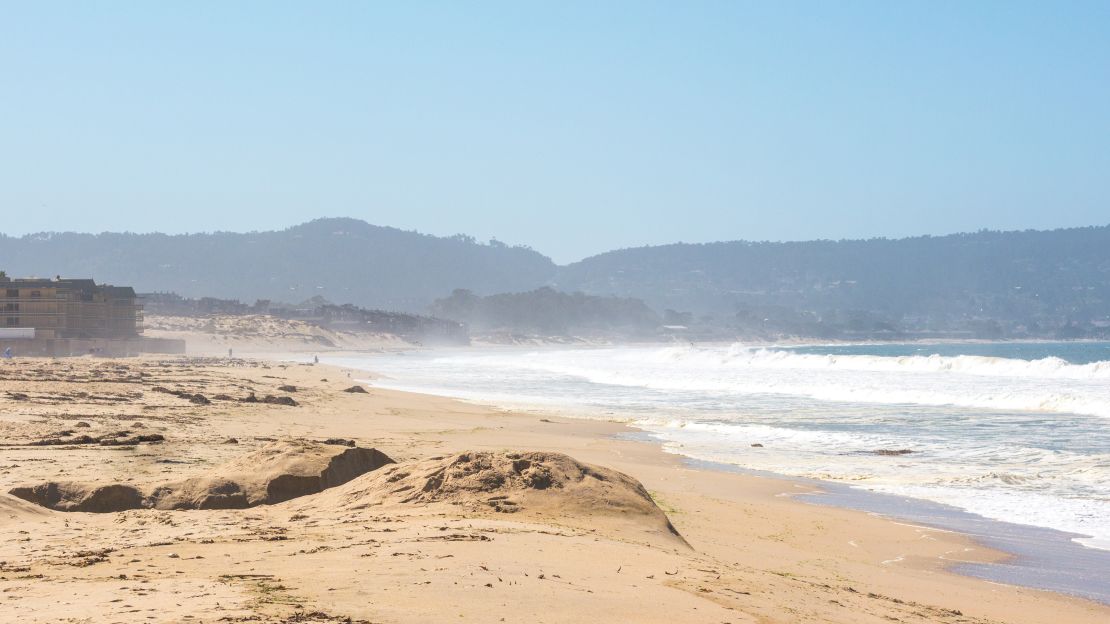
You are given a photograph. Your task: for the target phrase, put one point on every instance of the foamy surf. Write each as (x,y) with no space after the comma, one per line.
(739,355)
(1019,440)
(1048,385)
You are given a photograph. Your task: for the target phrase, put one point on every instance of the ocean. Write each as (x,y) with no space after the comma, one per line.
(1013,432)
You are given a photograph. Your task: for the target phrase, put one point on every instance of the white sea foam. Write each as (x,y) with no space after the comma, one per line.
(1056,489)
(740,355)
(967,381)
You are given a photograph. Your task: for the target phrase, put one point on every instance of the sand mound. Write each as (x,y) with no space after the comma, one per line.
(275,473)
(82,496)
(552,485)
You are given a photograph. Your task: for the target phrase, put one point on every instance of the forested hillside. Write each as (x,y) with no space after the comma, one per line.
(343,260)
(1033,279)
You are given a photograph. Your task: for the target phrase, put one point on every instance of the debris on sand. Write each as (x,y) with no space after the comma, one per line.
(278,400)
(146,437)
(197,399)
(270,399)
(117,438)
(357,390)
(82,439)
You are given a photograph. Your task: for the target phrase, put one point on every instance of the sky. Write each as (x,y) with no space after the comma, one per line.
(571,127)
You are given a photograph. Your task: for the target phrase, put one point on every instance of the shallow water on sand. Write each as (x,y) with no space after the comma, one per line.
(1042,558)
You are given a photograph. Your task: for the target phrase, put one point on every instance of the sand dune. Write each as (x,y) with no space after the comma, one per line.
(262,334)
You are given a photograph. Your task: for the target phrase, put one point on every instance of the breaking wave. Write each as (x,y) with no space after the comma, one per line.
(1047,385)
(741,356)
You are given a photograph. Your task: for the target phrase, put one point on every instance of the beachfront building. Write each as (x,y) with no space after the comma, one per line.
(69,309)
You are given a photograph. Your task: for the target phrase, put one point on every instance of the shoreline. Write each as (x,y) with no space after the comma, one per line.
(1024,551)
(1033,553)
(1029,549)
(751,551)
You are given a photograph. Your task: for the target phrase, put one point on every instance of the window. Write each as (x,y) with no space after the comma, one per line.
(13,321)
(35,294)
(13,292)
(11,307)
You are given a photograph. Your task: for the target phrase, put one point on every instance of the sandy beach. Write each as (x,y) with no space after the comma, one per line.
(485,516)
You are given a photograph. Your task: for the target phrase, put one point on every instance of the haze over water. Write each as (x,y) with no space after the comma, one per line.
(1013,432)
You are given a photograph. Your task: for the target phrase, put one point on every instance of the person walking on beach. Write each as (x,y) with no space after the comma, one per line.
(229,353)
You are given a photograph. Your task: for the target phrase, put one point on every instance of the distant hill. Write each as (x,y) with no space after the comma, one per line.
(343,260)
(989,284)
(1033,278)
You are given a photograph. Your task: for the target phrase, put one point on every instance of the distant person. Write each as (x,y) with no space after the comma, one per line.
(8,353)
(315,359)
(229,354)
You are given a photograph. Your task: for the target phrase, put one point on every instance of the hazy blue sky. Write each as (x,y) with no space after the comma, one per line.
(573,127)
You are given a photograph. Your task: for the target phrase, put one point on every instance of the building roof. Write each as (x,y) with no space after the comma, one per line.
(84,285)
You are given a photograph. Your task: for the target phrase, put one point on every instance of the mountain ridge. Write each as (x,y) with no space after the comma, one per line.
(1023,278)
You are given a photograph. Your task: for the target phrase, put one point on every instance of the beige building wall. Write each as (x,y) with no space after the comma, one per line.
(64,312)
